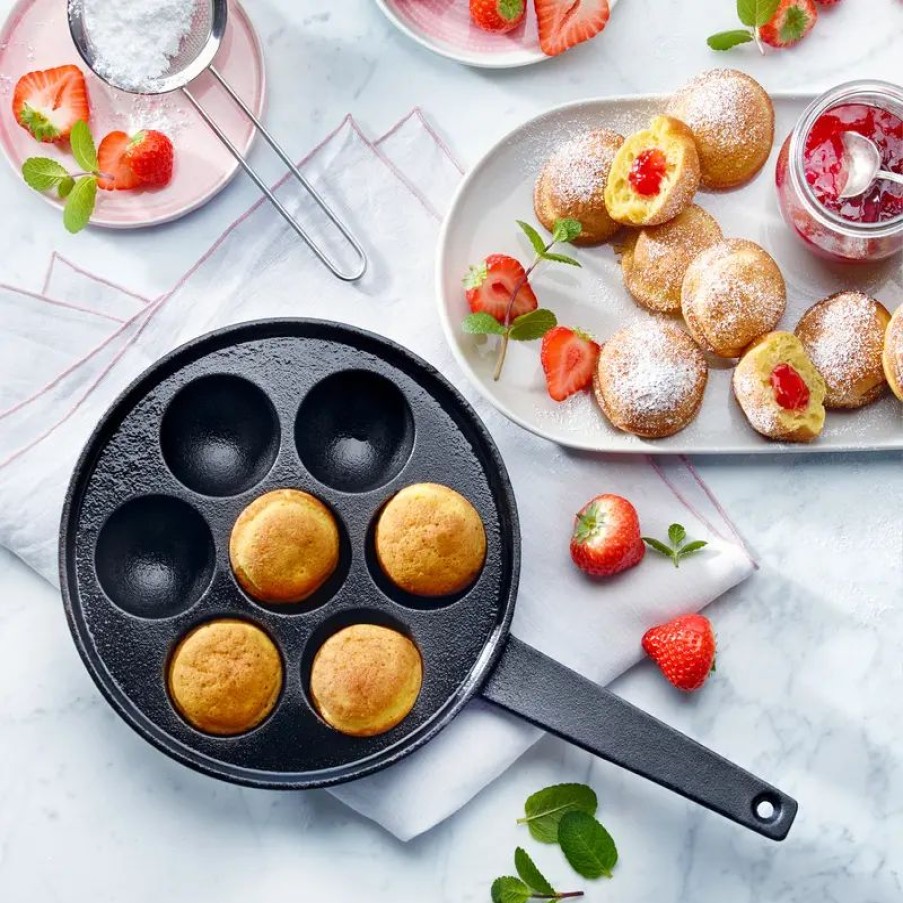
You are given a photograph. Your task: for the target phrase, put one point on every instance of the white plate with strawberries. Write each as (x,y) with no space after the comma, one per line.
(482,221)
(498,34)
(159,180)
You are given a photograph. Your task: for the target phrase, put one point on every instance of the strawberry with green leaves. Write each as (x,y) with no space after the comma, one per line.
(49,103)
(684,649)
(606,537)
(498,16)
(499,295)
(778,23)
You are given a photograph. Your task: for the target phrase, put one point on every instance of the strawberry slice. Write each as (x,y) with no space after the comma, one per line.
(491,284)
(115,172)
(564,23)
(569,358)
(48,103)
(150,158)
(606,537)
(791,22)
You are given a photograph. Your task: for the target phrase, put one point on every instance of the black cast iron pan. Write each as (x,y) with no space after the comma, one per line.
(351,418)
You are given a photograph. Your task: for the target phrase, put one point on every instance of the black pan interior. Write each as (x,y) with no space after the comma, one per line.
(329,409)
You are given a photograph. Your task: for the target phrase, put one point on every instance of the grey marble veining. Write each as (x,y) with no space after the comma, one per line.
(808,691)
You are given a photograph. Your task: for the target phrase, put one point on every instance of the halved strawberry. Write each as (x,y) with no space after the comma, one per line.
(606,537)
(115,173)
(564,23)
(50,102)
(569,359)
(498,16)
(791,22)
(150,157)
(491,283)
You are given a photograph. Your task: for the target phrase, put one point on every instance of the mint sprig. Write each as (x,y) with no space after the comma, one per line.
(752,13)
(79,189)
(530,884)
(677,548)
(536,323)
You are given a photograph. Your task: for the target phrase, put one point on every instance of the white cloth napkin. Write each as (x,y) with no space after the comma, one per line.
(393,191)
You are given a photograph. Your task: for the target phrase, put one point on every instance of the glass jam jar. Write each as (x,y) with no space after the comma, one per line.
(810,174)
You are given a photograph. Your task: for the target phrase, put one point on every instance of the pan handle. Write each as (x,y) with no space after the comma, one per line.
(555,698)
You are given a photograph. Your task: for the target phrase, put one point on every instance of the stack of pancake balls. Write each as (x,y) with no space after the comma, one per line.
(717,133)
(225,676)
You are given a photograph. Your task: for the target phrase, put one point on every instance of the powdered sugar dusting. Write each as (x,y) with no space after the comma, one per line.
(135,41)
(844,338)
(651,371)
(578,170)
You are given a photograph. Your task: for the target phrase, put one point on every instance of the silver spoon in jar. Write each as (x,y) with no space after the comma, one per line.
(862,161)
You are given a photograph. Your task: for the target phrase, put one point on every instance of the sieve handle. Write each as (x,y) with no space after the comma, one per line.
(352,276)
(553,697)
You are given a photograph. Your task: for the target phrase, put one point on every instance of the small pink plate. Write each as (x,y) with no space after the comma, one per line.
(445,27)
(36,36)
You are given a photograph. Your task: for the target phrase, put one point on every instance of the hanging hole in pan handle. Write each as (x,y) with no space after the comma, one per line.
(345,275)
(551,696)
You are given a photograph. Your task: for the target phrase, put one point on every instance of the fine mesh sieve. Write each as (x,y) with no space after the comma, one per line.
(194,57)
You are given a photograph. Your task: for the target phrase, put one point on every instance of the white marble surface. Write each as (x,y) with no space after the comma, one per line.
(808,688)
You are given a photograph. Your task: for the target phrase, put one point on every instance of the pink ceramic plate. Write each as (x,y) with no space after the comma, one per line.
(36,36)
(445,27)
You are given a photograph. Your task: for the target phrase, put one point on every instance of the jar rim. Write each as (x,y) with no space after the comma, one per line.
(866,90)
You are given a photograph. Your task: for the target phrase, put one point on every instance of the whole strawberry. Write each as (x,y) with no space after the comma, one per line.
(792,21)
(684,649)
(498,16)
(150,157)
(606,537)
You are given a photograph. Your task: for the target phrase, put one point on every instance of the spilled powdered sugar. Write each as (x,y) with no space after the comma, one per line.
(134,41)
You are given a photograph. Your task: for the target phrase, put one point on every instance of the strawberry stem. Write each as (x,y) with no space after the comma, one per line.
(503,347)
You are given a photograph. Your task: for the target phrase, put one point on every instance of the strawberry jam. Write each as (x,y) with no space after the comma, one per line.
(824,161)
(790,389)
(648,172)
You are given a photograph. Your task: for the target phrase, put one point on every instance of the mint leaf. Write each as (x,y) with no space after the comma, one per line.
(509,890)
(482,324)
(65,187)
(545,808)
(566,230)
(530,874)
(724,40)
(756,12)
(691,548)
(533,325)
(535,238)
(82,144)
(80,204)
(676,534)
(659,546)
(586,845)
(42,173)
(561,258)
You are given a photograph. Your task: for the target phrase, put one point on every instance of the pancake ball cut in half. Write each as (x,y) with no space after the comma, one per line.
(893,353)
(365,679)
(654,260)
(572,185)
(284,546)
(779,389)
(225,677)
(732,120)
(654,175)
(732,293)
(430,540)
(844,336)
(650,379)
